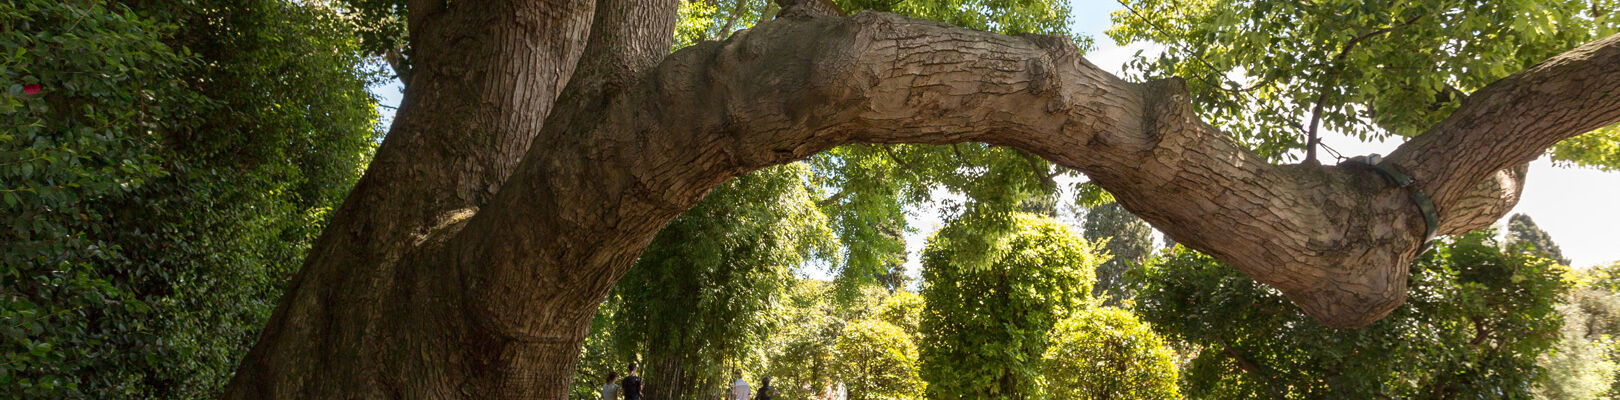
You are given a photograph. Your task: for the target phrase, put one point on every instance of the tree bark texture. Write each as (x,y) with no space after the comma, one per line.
(469,260)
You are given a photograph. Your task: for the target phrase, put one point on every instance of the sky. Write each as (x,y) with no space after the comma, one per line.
(1579,207)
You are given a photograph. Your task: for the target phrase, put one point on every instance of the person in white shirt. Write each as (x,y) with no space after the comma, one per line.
(739,389)
(610,390)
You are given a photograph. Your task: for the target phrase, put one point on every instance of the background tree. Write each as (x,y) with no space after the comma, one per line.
(804,360)
(1586,359)
(1128,241)
(1106,353)
(804,356)
(986,323)
(163,177)
(1475,320)
(698,303)
(904,310)
(1522,231)
(877,360)
(1580,366)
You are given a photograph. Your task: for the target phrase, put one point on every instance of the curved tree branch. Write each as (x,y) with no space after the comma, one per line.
(441,277)
(1335,240)
(1511,122)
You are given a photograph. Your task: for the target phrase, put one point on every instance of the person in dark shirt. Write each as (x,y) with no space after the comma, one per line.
(631,384)
(765,390)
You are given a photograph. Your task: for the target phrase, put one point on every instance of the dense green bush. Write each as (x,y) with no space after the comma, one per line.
(1476,319)
(985,327)
(175,163)
(878,361)
(1106,353)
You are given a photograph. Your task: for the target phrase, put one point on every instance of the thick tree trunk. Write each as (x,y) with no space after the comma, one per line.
(455,270)
(373,313)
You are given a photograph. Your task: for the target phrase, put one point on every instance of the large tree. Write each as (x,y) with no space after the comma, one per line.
(1128,240)
(1522,231)
(541,145)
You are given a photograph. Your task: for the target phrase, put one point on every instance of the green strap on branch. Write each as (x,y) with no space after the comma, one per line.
(1431,215)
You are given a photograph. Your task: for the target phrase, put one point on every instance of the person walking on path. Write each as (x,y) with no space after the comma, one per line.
(739,389)
(610,390)
(631,384)
(765,389)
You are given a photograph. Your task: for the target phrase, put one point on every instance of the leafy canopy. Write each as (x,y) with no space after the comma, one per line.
(1261,70)
(1475,321)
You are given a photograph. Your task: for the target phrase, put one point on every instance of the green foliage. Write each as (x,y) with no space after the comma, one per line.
(163,183)
(1598,149)
(1522,231)
(1045,17)
(878,361)
(1106,353)
(903,309)
(1588,355)
(1606,277)
(700,20)
(598,356)
(804,357)
(697,301)
(984,327)
(1580,366)
(380,24)
(805,361)
(1127,240)
(1258,69)
(82,139)
(1475,321)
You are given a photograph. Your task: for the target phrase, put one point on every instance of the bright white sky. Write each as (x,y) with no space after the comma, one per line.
(1579,207)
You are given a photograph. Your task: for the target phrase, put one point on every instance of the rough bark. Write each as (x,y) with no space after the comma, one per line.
(460,131)
(407,297)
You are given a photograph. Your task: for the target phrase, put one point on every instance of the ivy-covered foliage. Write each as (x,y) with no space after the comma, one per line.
(1106,353)
(985,326)
(878,361)
(1475,321)
(165,166)
(1261,70)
